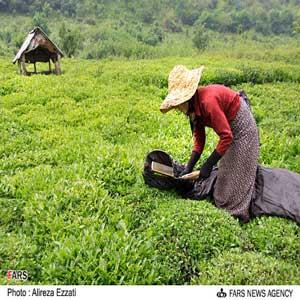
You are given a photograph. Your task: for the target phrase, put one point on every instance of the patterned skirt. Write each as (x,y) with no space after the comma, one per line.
(237,168)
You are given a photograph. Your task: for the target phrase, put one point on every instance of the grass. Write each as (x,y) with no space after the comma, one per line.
(73,205)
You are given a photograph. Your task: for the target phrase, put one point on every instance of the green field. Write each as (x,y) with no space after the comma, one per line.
(73,205)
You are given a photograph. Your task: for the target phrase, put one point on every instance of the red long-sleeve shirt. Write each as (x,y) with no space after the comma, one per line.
(215,106)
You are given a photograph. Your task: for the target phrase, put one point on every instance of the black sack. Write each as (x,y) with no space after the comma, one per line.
(198,190)
(163,182)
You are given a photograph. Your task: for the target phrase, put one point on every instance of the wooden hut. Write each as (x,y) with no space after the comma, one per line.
(37,47)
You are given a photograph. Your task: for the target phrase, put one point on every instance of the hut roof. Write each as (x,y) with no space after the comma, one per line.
(38,38)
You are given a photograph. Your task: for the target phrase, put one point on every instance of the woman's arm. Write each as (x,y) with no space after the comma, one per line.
(220,125)
(199,141)
(199,138)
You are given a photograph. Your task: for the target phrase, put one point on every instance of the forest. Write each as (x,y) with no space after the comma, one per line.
(146,29)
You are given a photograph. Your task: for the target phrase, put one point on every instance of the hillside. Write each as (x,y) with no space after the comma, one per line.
(73,205)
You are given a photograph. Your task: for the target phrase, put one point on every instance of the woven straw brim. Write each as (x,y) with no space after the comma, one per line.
(181,89)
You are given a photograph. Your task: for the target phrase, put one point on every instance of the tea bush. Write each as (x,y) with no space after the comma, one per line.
(282,243)
(74,208)
(246,268)
(188,232)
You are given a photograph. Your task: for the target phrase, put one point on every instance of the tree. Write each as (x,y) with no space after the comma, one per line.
(296,27)
(68,7)
(171,25)
(70,40)
(4,5)
(243,18)
(281,21)
(187,12)
(201,38)
(39,19)
(262,23)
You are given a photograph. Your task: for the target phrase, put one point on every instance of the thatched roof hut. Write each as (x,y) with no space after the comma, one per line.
(37,47)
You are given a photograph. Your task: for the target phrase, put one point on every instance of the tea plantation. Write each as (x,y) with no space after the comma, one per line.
(73,205)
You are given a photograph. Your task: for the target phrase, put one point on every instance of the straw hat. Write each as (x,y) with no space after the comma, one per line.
(182,85)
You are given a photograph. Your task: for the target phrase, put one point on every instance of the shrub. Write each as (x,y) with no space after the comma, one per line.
(186,233)
(246,268)
(171,25)
(282,242)
(74,208)
(227,77)
(261,75)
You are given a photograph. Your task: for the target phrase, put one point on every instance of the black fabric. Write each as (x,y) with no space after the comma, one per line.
(203,188)
(165,182)
(209,163)
(191,163)
(277,191)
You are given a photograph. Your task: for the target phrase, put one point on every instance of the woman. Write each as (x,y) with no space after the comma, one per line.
(228,113)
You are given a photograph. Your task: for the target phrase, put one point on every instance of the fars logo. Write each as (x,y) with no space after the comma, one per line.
(17,275)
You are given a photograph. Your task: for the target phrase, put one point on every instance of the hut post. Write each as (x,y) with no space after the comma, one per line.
(57,65)
(23,65)
(50,70)
(19,66)
(34,67)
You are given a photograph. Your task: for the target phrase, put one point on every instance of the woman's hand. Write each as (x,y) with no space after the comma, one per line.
(209,164)
(185,171)
(205,171)
(191,163)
